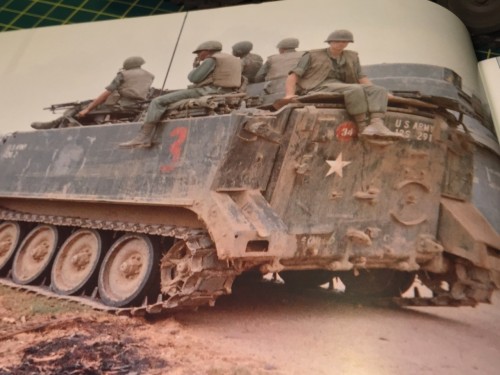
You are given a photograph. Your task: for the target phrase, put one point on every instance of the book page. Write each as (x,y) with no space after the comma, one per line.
(489,70)
(59,64)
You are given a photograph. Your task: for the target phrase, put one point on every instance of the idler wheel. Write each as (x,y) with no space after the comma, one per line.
(75,267)
(129,271)
(10,236)
(35,254)
(377,283)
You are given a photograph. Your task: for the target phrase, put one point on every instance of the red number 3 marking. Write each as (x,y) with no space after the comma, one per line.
(175,148)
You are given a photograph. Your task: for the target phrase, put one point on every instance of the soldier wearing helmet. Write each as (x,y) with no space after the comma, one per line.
(251,62)
(129,87)
(133,62)
(338,70)
(276,67)
(214,72)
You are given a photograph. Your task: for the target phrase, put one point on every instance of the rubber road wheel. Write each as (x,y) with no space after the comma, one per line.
(34,256)
(129,271)
(10,236)
(75,266)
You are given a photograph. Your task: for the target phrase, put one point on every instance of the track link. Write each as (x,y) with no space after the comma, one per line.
(203,277)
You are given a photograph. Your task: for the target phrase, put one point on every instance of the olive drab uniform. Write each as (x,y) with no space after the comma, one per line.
(276,67)
(134,87)
(224,78)
(214,73)
(226,74)
(251,64)
(319,70)
(281,64)
(322,68)
(325,73)
(129,87)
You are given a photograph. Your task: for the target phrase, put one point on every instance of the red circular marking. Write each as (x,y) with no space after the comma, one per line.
(346,131)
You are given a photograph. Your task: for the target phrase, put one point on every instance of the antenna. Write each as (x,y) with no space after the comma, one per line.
(175,49)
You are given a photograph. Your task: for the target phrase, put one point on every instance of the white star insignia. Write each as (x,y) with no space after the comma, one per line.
(337,165)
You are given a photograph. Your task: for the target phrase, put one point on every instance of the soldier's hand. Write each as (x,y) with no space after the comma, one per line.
(196,62)
(82,113)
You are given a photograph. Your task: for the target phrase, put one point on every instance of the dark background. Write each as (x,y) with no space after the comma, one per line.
(482,17)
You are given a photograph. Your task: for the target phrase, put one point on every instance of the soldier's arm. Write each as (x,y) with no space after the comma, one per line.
(115,83)
(290,85)
(364,80)
(295,74)
(97,101)
(198,74)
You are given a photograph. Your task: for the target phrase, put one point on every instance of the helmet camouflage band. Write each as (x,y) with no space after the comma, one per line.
(211,45)
(242,48)
(340,36)
(133,62)
(288,43)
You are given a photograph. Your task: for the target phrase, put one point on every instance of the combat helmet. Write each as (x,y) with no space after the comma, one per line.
(340,36)
(210,45)
(288,43)
(242,48)
(133,62)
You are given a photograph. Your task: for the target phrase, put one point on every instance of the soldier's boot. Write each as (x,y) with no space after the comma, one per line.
(377,128)
(143,139)
(361,121)
(45,125)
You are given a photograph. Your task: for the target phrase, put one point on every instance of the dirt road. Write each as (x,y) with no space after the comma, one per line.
(267,329)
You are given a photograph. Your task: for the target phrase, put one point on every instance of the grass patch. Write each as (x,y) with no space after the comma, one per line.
(16,303)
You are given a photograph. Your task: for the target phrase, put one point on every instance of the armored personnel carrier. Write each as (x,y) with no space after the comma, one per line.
(235,186)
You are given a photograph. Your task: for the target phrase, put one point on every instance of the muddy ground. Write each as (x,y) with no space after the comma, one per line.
(259,329)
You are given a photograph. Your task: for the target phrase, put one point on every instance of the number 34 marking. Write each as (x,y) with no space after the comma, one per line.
(179,136)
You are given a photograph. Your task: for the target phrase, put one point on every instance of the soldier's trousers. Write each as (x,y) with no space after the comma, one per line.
(159,105)
(359,99)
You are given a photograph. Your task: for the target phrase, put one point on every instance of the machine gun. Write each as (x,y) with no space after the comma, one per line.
(68,117)
(100,115)
(69,105)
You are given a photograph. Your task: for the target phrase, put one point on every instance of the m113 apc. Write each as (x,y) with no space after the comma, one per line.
(234,186)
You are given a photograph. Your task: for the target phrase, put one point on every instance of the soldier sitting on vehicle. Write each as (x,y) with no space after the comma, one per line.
(251,62)
(277,67)
(337,70)
(214,73)
(125,93)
